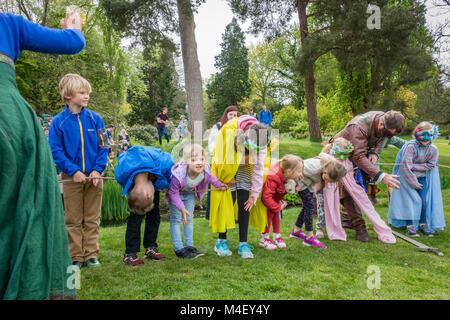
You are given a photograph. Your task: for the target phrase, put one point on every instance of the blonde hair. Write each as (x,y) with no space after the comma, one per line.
(191,151)
(70,84)
(290,162)
(341,142)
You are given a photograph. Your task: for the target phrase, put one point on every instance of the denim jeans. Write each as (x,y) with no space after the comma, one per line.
(163,131)
(176,219)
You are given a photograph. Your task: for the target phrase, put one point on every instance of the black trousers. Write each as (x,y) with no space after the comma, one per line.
(243,216)
(133,233)
(306,214)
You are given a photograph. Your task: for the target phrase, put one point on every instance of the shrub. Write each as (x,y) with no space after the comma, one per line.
(145,134)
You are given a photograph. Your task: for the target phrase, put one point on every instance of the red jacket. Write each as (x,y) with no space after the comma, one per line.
(274,191)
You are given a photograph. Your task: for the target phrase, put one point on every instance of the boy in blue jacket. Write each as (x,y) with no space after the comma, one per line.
(76,151)
(143,172)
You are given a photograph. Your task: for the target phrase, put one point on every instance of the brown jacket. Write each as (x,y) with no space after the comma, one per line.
(357,132)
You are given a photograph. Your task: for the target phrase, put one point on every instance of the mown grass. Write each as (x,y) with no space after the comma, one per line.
(297,272)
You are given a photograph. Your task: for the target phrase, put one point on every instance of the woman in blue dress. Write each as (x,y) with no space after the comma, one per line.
(34,258)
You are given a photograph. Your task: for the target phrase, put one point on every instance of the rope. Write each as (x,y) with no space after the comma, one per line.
(401,164)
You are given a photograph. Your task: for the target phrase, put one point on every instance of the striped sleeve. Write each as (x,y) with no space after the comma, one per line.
(407,165)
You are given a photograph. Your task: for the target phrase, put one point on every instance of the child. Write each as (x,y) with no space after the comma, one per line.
(418,203)
(76,151)
(340,149)
(329,149)
(316,170)
(289,167)
(181,127)
(143,172)
(190,176)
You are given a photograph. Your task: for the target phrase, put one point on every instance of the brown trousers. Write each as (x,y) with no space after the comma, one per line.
(82,210)
(354,214)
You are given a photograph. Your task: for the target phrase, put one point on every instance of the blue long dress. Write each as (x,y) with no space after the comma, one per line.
(407,206)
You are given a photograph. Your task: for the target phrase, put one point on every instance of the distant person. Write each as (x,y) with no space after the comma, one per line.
(109,131)
(182,127)
(265,116)
(123,135)
(162,120)
(253,114)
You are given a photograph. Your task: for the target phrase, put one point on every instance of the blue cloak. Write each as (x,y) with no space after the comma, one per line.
(406,203)
(144,159)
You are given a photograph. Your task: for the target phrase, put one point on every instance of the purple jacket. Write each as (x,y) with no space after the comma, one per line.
(179,182)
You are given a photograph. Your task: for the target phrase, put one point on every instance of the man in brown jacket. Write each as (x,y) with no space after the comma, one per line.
(367,132)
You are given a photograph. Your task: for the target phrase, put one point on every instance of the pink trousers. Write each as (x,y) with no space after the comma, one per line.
(359,196)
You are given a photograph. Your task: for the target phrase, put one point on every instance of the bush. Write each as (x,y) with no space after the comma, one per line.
(146,134)
(292,121)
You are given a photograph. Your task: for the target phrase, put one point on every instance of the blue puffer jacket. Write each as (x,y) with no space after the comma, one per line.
(144,159)
(74,142)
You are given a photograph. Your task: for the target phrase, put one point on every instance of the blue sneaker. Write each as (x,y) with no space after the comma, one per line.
(221,248)
(245,250)
(426,230)
(411,231)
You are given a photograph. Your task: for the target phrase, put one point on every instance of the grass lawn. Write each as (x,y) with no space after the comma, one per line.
(297,272)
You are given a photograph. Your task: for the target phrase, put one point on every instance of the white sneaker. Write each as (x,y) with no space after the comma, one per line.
(266,243)
(319,234)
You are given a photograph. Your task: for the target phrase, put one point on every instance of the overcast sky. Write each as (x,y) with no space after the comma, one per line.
(214,15)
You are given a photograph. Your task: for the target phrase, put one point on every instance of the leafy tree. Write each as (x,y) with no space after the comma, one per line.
(231,84)
(151,23)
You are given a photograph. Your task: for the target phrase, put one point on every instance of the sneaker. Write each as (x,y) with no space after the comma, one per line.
(93,262)
(312,241)
(426,230)
(299,234)
(78,264)
(319,234)
(221,248)
(132,260)
(411,231)
(266,243)
(182,253)
(280,243)
(153,254)
(195,252)
(186,252)
(245,250)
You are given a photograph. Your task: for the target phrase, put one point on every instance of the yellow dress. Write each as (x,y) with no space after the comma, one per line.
(226,160)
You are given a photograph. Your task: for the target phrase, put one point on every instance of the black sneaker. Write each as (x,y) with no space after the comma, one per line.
(79,264)
(182,253)
(194,252)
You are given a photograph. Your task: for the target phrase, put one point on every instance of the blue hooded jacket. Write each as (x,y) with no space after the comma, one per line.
(74,143)
(144,159)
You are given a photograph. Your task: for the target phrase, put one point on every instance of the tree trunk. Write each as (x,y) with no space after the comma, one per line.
(192,75)
(309,80)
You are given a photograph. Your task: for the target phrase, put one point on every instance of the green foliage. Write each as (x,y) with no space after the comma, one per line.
(114,206)
(231,84)
(145,134)
(154,89)
(292,121)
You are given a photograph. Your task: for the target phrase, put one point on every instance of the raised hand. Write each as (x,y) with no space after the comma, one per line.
(72,20)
